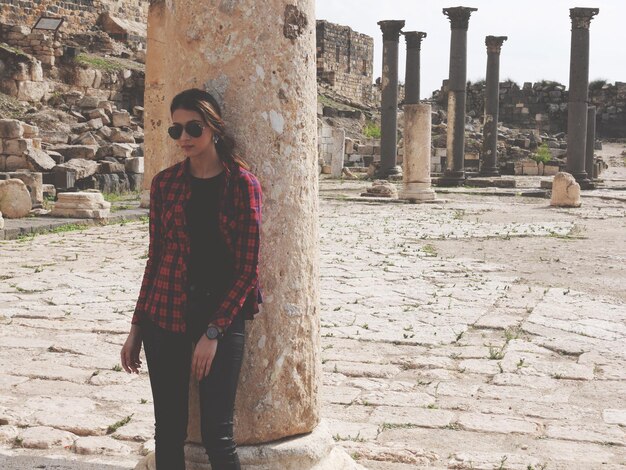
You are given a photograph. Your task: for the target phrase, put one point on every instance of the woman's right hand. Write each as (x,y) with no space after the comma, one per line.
(131,350)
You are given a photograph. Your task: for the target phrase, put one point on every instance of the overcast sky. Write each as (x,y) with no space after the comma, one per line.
(539,33)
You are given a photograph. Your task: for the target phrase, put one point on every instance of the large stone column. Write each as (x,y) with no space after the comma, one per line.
(591,141)
(417,142)
(389,106)
(489,157)
(578,94)
(412,72)
(259,62)
(454,175)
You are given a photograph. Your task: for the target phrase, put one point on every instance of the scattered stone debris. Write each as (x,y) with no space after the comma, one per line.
(84,204)
(381,188)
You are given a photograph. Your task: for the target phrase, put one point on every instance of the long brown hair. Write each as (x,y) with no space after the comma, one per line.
(195,99)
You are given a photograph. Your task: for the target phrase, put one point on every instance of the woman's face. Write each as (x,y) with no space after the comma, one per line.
(193,146)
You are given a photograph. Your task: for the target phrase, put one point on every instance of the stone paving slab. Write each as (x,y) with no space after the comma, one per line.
(480,333)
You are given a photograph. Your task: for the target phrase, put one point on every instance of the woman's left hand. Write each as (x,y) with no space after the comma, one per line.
(203,356)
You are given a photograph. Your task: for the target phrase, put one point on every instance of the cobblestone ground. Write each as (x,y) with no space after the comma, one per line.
(484,332)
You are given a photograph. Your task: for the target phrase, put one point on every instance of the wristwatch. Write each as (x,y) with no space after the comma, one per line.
(213,332)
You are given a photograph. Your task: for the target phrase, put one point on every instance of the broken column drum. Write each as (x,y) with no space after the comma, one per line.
(258,60)
(578,94)
(416,183)
(591,142)
(454,174)
(389,99)
(489,157)
(412,72)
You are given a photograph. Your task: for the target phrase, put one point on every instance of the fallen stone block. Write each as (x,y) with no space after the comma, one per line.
(34,184)
(16,146)
(38,160)
(381,188)
(134,165)
(11,129)
(82,205)
(87,152)
(565,191)
(14,199)
(122,137)
(120,119)
(106,167)
(82,168)
(15,162)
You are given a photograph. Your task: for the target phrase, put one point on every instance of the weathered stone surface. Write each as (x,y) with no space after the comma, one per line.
(44,437)
(14,199)
(81,205)
(11,129)
(31,91)
(83,168)
(86,138)
(134,165)
(84,77)
(122,136)
(281,373)
(88,102)
(612,416)
(69,152)
(16,146)
(34,183)
(565,191)
(120,119)
(110,167)
(494,423)
(91,445)
(38,160)
(381,188)
(15,162)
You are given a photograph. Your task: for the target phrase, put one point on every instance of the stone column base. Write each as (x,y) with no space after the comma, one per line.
(417,192)
(313,451)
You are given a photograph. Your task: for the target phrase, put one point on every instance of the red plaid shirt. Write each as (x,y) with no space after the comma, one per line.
(163,294)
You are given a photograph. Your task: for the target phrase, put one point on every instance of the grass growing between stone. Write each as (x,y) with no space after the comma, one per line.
(108,64)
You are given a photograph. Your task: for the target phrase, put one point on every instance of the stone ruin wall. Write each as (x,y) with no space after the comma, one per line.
(79,15)
(543,105)
(345,61)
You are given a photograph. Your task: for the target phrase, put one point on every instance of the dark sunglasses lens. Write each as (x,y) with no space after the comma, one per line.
(193,129)
(175,131)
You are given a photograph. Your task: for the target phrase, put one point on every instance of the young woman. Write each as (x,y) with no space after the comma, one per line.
(199,285)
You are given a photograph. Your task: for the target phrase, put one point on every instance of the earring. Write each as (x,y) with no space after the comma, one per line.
(216,138)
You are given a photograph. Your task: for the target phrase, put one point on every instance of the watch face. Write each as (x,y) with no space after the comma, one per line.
(212,332)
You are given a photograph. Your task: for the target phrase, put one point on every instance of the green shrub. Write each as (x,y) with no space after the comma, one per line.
(543,154)
(371,130)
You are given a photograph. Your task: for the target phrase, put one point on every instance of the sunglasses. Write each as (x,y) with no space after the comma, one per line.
(192,128)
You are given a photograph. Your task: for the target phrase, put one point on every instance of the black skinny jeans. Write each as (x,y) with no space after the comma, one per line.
(169,362)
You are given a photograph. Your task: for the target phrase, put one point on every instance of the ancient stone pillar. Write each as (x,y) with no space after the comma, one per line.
(454,175)
(489,157)
(412,72)
(591,141)
(258,59)
(417,140)
(389,106)
(338,154)
(578,94)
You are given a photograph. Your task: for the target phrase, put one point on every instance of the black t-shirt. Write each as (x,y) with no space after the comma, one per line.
(210,263)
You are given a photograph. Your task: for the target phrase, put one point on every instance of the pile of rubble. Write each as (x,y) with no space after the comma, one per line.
(93,145)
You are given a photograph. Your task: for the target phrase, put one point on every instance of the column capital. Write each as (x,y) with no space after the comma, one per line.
(459,16)
(494,43)
(391,29)
(581,17)
(414,39)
